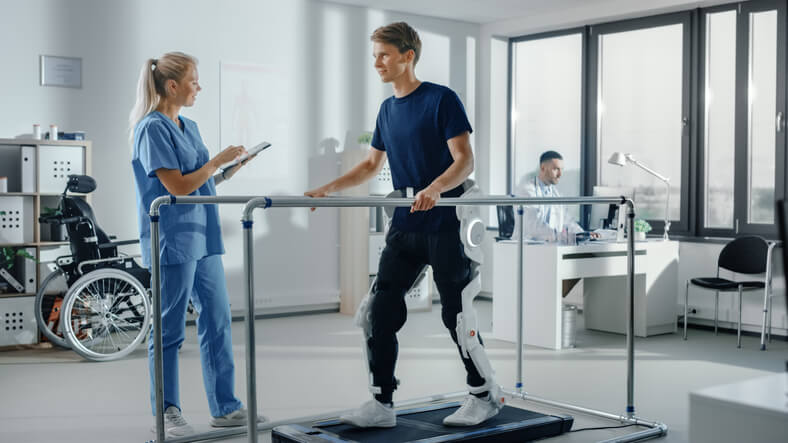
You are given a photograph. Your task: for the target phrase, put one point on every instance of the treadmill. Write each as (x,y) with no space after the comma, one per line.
(425,425)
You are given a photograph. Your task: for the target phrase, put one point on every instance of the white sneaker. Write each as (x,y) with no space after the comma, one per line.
(235,418)
(474,410)
(372,414)
(174,423)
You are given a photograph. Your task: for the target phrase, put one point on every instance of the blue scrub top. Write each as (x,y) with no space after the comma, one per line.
(187,232)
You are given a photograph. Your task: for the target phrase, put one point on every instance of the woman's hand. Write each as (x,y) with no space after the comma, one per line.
(229,154)
(228,173)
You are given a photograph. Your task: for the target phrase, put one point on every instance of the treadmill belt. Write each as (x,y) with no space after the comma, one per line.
(425,425)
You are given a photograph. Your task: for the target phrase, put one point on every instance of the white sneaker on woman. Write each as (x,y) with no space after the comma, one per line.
(174,423)
(235,418)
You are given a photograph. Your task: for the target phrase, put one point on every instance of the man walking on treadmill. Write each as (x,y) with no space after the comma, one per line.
(425,134)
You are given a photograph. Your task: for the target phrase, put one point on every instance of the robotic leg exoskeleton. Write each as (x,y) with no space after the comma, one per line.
(471,233)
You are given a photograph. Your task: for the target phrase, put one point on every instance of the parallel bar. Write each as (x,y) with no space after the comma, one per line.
(631,311)
(254,202)
(657,429)
(251,358)
(158,359)
(366,202)
(519,381)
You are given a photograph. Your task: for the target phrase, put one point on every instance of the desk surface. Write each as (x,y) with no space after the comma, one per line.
(590,246)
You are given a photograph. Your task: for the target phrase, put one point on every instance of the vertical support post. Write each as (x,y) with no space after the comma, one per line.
(158,359)
(631,310)
(519,384)
(251,362)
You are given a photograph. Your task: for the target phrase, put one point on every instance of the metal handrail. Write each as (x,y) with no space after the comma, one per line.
(251,203)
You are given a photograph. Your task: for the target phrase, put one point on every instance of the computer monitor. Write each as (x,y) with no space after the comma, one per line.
(505,222)
(605,217)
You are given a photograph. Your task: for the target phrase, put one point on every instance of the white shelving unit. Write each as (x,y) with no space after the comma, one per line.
(37,172)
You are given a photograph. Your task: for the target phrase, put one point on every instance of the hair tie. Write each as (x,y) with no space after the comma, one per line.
(153,64)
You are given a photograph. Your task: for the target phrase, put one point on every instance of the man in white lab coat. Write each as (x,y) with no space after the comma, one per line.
(548,222)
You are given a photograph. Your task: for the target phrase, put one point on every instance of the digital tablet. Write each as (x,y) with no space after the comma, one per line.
(250,152)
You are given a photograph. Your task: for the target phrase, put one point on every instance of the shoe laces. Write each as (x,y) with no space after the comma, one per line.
(175,418)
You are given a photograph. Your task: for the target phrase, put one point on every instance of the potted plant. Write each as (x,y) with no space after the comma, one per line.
(365,138)
(57,231)
(641,228)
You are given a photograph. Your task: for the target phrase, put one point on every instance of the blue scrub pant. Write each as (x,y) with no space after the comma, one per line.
(202,280)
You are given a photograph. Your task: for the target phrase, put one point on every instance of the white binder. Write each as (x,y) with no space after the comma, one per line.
(28,271)
(5,275)
(28,168)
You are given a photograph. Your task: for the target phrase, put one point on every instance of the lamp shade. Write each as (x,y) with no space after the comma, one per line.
(618,158)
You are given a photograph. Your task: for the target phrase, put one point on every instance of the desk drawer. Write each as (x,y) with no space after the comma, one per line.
(597,264)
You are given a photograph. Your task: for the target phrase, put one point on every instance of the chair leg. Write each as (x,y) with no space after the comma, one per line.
(686,308)
(765,314)
(716,309)
(738,327)
(769,319)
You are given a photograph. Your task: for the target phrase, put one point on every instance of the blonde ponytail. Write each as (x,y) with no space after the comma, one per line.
(151,84)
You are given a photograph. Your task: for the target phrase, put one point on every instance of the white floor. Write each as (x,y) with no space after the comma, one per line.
(312,364)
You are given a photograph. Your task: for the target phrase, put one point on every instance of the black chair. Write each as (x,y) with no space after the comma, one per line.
(782,224)
(744,255)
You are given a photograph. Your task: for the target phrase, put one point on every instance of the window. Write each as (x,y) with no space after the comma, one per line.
(696,96)
(640,87)
(743,135)
(718,137)
(547,104)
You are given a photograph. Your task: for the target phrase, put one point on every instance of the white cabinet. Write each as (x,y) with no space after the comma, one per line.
(37,172)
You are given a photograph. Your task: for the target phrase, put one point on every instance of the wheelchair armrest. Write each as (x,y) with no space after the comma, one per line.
(117,243)
(113,237)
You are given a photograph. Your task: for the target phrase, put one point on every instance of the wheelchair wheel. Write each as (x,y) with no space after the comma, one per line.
(48,307)
(106,314)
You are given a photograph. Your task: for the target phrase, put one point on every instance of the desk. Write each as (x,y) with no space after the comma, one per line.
(603,266)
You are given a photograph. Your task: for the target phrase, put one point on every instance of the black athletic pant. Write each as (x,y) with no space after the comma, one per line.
(402,259)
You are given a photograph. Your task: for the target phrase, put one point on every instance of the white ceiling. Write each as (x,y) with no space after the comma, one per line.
(474,11)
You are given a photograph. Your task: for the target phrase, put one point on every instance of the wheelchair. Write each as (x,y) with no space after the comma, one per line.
(95,301)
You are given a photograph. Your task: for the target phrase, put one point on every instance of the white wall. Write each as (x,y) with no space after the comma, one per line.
(324,50)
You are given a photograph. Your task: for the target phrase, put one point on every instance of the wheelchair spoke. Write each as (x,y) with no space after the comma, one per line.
(117,321)
(86,303)
(128,338)
(109,312)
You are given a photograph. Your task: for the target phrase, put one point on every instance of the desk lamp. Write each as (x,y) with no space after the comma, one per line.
(621,159)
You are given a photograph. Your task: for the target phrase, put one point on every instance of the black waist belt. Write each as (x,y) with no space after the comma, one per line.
(412,191)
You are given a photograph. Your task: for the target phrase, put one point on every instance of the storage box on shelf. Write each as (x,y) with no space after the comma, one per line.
(37,172)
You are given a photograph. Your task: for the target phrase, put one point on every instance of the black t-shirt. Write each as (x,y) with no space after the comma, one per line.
(413,131)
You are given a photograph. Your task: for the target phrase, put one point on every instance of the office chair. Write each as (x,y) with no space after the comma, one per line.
(744,255)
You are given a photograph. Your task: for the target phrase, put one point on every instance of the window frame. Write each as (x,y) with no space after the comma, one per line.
(583,97)
(680,226)
(693,175)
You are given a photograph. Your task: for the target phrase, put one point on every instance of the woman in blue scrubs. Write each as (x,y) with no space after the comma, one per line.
(170,159)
